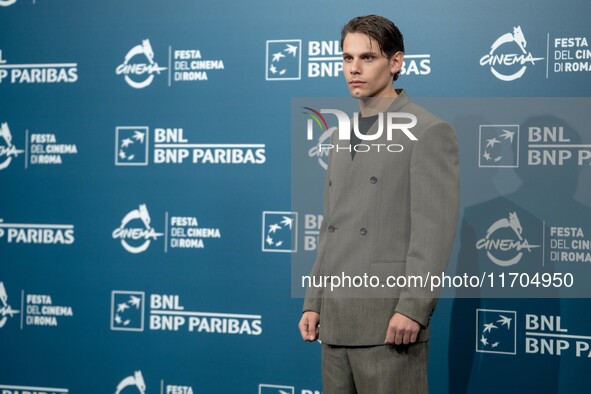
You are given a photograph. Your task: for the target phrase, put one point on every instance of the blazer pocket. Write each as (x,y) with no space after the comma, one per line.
(386,268)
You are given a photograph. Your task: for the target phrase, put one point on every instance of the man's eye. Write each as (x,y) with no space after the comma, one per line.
(368,58)
(347,58)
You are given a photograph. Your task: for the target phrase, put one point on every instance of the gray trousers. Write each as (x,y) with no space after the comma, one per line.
(375,369)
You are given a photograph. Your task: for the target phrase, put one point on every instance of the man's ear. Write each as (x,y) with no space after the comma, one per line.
(396,62)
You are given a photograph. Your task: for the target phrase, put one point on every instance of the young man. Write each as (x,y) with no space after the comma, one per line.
(386,214)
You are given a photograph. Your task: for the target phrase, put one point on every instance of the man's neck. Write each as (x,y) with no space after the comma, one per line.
(371,106)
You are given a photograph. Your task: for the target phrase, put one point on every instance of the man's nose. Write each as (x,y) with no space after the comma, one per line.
(355,66)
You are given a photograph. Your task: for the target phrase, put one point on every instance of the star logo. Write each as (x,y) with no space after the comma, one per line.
(495,331)
(275,389)
(499,146)
(127,310)
(131,147)
(284,60)
(279,231)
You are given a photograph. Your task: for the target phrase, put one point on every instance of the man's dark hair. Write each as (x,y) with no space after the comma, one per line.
(381,29)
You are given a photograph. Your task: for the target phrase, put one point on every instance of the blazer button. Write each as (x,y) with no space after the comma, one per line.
(363,231)
(331,228)
(329,183)
(373,180)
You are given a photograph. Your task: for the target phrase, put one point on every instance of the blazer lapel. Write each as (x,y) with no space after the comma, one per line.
(339,167)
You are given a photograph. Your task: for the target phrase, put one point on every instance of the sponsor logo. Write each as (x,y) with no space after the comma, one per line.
(46,150)
(135,232)
(41,148)
(312,225)
(552,146)
(265,388)
(504,242)
(136,381)
(569,244)
(136,384)
(499,146)
(275,389)
(185,232)
(166,313)
(180,232)
(496,331)
(284,60)
(288,60)
(280,232)
(139,66)
(9,389)
(325,59)
(131,146)
(37,310)
(7,150)
(41,311)
(37,73)
(504,61)
(278,236)
(6,310)
(548,335)
(39,234)
(127,310)
(171,146)
(571,54)
(547,145)
(506,245)
(419,64)
(175,389)
(189,65)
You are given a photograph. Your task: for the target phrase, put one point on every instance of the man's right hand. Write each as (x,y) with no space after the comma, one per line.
(309,325)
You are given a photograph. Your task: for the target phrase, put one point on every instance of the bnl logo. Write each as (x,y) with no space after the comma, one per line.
(284,60)
(496,331)
(131,146)
(280,232)
(275,389)
(499,146)
(127,310)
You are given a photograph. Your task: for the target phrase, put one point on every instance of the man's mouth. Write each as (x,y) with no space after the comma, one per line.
(356,82)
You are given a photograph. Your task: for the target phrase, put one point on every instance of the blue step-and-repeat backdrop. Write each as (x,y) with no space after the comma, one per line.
(145,159)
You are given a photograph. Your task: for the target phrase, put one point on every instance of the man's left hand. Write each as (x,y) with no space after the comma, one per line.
(402,330)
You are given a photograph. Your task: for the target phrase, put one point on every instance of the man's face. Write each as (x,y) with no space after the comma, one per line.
(367,71)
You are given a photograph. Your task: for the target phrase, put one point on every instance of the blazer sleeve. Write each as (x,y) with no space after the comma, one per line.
(434,206)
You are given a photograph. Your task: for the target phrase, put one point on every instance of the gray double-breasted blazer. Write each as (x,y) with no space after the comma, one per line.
(386,214)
